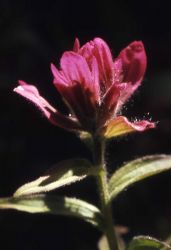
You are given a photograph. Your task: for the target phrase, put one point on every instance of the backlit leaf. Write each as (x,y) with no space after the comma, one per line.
(64,173)
(137,170)
(54,205)
(147,243)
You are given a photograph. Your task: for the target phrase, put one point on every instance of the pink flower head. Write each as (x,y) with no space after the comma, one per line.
(94,87)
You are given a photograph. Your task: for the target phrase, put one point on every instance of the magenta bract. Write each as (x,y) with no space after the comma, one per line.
(93,85)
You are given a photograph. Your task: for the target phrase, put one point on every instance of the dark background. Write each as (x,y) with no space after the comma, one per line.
(34,34)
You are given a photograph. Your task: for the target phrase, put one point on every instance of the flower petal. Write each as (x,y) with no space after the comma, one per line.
(100,50)
(134,62)
(112,97)
(126,93)
(117,68)
(31,93)
(76,46)
(105,61)
(77,85)
(58,75)
(120,126)
(75,69)
(80,101)
(95,79)
(81,90)
(108,105)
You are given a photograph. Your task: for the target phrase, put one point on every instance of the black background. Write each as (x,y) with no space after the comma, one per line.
(34,34)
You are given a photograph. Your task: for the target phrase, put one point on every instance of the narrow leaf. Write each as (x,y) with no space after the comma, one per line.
(137,170)
(54,205)
(147,243)
(64,173)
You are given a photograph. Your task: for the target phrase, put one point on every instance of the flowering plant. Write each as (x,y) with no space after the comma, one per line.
(94,88)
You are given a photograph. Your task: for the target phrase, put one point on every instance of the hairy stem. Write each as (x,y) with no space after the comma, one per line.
(99,161)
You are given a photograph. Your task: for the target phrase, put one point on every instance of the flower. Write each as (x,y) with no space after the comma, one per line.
(94,87)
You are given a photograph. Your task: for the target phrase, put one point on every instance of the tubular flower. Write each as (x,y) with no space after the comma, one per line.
(94,87)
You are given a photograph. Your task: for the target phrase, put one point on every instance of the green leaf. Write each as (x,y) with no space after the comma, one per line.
(64,173)
(137,170)
(147,243)
(55,205)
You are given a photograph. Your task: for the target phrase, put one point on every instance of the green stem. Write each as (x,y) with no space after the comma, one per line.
(99,161)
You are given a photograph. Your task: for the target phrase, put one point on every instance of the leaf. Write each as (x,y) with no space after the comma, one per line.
(64,173)
(55,205)
(137,170)
(147,243)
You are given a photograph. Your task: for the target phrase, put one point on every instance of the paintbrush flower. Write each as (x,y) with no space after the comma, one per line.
(94,87)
